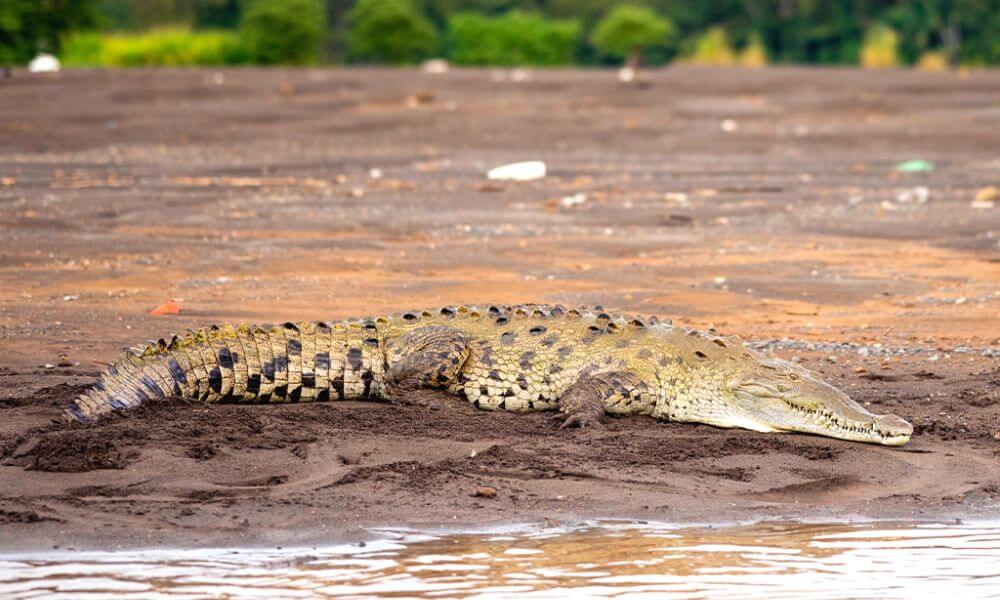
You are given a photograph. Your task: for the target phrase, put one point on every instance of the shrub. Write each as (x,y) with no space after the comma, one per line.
(516,38)
(31,26)
(390,31)
(754,54)
(880,48)
(933,60)
(284,31)
(713,48)
(627,30)
(162,47)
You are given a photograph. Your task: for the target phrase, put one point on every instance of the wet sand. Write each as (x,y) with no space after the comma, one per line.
(764,203)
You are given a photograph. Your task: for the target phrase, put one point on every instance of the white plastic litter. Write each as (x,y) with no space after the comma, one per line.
(44,63)
(436,66)
(520,171)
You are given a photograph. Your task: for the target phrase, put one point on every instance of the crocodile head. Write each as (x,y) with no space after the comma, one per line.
(777,395)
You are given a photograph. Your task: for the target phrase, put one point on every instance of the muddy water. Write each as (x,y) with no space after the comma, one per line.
(602,560)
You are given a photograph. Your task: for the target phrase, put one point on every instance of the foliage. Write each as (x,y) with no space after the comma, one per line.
(284,31)
(515,38)
(627,30)
(161,47)
(31,26)
(880,49)
(754,54)
(389,31)
(783,31)
(713,48)
(933,60)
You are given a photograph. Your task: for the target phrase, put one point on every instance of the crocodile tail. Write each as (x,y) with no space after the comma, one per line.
(243,363)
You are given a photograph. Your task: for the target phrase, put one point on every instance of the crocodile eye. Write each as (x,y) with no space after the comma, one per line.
(793,376)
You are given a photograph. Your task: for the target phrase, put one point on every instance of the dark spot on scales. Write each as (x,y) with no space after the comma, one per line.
(564,351)
(215,380)
(526,358)
(502,320)
(549,340)
(644,353)
(508,337)
(226,358)
(537,330)
(294,347)
(354,358)
(322,360)
(176,371)
(151,386)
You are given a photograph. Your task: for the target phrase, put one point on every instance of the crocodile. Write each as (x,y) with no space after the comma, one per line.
(583,362)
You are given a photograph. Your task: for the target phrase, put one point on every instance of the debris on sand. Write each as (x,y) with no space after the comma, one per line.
(435,66)
(920,194)
(914,166)
(985,198)
(485,491)
(44,63)
(520,171)
(167,308)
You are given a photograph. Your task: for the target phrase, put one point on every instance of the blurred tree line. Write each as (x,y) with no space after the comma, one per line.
(530,32)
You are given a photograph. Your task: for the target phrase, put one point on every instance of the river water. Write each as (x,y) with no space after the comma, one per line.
(601,559)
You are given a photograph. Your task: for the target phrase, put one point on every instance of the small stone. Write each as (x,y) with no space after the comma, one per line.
(485,491)
(728,125)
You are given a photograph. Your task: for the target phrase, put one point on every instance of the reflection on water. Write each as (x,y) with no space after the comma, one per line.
(607,559)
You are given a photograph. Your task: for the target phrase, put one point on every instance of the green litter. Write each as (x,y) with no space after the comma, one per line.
(914,166)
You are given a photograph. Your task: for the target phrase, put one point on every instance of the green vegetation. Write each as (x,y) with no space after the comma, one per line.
(516,38)
(880,49)
(713,48)
(932,33)
(28,27)
(284,31)
(628,30)
(169,47)
(389,31)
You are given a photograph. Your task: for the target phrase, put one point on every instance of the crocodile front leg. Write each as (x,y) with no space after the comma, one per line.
(423,362)
(584,402)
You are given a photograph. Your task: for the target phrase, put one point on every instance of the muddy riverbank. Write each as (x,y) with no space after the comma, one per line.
(765,203)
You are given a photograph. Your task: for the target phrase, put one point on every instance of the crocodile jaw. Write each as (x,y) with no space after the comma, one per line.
(812,406)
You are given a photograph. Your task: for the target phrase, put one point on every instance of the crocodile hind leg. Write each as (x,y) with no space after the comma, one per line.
(584,403)
(423,362)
